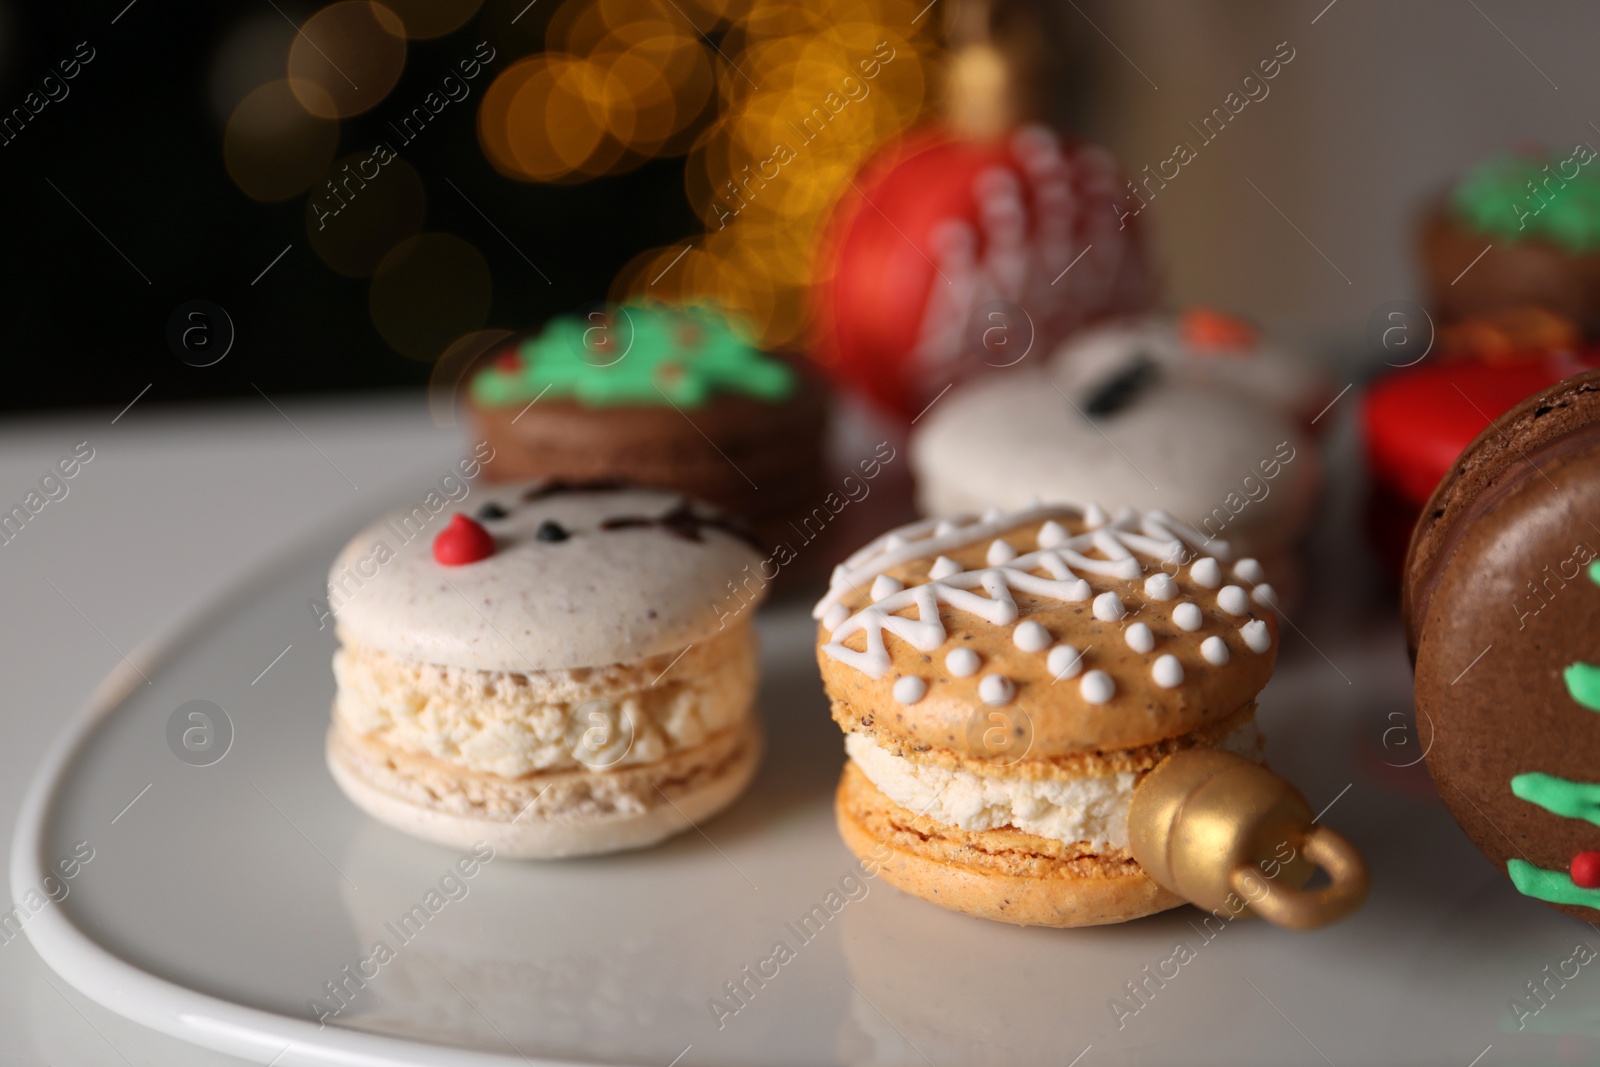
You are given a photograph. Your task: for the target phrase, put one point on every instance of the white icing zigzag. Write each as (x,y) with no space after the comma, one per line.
(1154,534)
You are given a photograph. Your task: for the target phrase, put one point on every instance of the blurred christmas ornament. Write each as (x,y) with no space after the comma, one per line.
(971,242)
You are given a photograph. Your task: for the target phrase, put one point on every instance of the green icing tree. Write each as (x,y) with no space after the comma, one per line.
(1518,198)
(1563,797)
(636,353)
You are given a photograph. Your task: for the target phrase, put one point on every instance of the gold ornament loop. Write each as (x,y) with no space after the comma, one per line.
(1228,834)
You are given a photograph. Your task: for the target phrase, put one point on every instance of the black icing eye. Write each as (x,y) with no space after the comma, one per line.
(1124,389)
(551,532)
(490,512)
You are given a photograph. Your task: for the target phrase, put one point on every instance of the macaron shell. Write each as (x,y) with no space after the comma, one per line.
(1194,451)
(1050,716)
(598,597)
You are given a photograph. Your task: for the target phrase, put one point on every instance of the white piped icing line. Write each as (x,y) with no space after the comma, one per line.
(996,690)
(835,615)
(883,585)
(1257,638)
(999,552)
(1249,571)
(1206,572)
(1167,671)
(1097,687)
(1031,637)
(1108,607)
(987,593)
(1139,638)
(1064,661)
(943,567)
(1233,600)
(910,689)
(962,662)
(1188,617)
(1160,587)
(1215,650)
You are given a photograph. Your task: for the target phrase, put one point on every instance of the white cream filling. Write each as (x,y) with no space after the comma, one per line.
(1064,809)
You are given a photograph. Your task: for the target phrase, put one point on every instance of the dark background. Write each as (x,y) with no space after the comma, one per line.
(137,146)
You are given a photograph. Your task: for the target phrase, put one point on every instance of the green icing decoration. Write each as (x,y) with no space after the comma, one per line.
(1594,572)
(1583,684)
(1496,198)
(1552,887)
(1559,796)
(681,356)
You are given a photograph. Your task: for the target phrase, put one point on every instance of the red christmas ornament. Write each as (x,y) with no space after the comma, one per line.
(939,231)
(1585,870)
(461,542)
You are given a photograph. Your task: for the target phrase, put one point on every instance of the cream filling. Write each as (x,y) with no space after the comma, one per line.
(513,724)
(1094,810)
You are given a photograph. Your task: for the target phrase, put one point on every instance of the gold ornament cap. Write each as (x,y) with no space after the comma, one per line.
(1226,833)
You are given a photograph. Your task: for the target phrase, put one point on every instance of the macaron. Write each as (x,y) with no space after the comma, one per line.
(659,395)
(548,674)
(1517,231)
(1502,608)
(1205,346)
(1005,683)
(1113,425)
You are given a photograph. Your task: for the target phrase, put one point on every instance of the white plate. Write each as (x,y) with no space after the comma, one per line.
(221,898)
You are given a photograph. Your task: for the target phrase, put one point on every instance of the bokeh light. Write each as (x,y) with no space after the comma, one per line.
(274,150)
(346,58)
(428,291)
(353,220)
(452,369)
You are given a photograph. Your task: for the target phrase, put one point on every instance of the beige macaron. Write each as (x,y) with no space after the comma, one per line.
(575,689)
(1006,682)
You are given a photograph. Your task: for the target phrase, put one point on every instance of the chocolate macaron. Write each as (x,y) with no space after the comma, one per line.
(1502,608)
(658,395)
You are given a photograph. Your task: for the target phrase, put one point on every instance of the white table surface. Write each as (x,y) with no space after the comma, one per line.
(175,507)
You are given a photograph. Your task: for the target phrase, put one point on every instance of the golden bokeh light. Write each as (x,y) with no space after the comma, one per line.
(428,291)
(274,150)
(361,209)
(346,58)
(450,371)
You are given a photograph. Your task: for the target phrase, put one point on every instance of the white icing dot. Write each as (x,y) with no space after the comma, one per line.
(895,540)
(909,690)
(1256,636)
(943,567)
(1095,516)
(1167,672)
(1000,552)
(1249,570)
(1160,587)
(1064,661)
(962,662)
(1097,687)
(885,585)
(944,529)
(1052,534)
(1265,594)
(1215,650)
(1031,637)
(1232,599)
(1139,637)
(993,515)
(1188,616)
(996,689)
(835,616)
(1079,590)
(1108,607)
(1206,572)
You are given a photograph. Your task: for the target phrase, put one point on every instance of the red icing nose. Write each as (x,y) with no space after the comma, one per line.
(1586,870)
(464,541)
